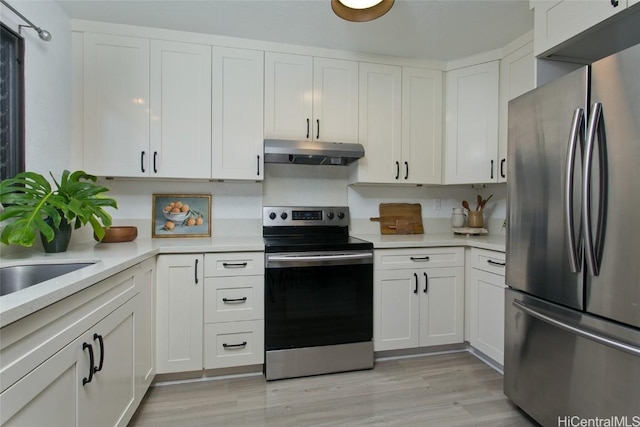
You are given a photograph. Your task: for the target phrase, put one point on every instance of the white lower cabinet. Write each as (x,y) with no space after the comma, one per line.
(486,303)
(233,309)
(179,288)
(418,297)
(210,311)
(145,329)
(91,380)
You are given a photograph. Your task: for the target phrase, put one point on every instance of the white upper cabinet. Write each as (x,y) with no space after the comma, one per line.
(559,20)
(310,98)
(380,124)
(335,100)
(237,145)
(517,76)
(421,126)
(471,142)
(180,110)
(116,105)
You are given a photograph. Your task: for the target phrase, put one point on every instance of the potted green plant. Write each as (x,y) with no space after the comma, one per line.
(35,206)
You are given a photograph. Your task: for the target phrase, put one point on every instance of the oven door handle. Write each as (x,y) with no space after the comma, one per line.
(319,259)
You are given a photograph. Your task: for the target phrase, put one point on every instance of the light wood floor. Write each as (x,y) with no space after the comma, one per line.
(439,390)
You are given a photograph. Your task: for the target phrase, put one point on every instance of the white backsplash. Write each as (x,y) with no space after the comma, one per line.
(237,206)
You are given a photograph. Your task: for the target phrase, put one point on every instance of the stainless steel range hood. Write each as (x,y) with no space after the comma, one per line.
(311,152)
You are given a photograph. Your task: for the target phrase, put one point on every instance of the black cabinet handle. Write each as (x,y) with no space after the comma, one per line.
(397,170)
(142,162)
(258,166)
(491,169)
(406,173)
(426,283)
(415,290)
(234,264)
(419,258)
(101,343)
(307,128)
(318,133)
(502,168)
(242,344)
(85,346)
(155,158)
(492,262)
(233,300)
(614,3)
(196,271)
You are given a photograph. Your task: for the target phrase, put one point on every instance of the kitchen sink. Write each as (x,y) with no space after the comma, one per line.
(17,277)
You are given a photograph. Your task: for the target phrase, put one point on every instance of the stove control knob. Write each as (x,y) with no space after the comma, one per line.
(340,215)
(272,215)
(283,215)
(330,215)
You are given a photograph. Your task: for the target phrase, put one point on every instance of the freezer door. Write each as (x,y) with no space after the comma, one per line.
(543,235)
(560,363)
(613,282)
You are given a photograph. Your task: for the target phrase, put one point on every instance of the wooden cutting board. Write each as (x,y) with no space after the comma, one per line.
(400,218)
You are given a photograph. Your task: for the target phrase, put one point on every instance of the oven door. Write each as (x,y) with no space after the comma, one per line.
(316,299)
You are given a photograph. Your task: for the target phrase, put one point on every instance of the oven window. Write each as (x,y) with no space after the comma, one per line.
(313,306)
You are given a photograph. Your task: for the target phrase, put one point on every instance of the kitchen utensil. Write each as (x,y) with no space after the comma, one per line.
(484,202)
(118,234)
(390,213)
(465,204)
(479,202)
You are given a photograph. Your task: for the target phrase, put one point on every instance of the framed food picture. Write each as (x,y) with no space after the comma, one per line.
(181,215)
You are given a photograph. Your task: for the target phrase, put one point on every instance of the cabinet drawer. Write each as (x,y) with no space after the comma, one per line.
(489,261)
(233,344)
(229,299)
(394,259)
(233,264)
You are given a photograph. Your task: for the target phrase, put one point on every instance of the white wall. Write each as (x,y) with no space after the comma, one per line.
(47,72)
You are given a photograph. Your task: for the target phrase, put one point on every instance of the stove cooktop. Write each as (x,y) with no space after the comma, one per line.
(314,243)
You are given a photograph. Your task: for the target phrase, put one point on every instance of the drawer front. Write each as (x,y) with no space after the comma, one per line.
(393,259)
(233,264)
(489,261)
(233,344)
(230,299)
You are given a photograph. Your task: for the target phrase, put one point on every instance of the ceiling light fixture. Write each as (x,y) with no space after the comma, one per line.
(361,10)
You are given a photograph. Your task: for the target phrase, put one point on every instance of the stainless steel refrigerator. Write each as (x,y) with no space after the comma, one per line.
(572,306)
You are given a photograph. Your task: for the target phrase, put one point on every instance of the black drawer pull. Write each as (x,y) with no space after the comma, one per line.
(415,290)
(233,300)
(101,343)
(419,258)
(242,344)
(85,346)
(426,283)
(492,262)
(234,264)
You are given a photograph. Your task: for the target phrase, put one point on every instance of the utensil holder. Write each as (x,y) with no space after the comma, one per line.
(475,219)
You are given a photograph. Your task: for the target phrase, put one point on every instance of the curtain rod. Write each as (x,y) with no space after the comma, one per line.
(43,34)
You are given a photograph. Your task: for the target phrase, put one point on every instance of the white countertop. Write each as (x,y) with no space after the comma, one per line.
(112,258)
(494,242)
(109,258)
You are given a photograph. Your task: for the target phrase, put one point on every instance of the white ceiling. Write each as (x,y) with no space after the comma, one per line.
(425,29)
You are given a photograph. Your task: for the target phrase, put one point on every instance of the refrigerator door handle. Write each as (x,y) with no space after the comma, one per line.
(617,345)
(596,130)
(577,133)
